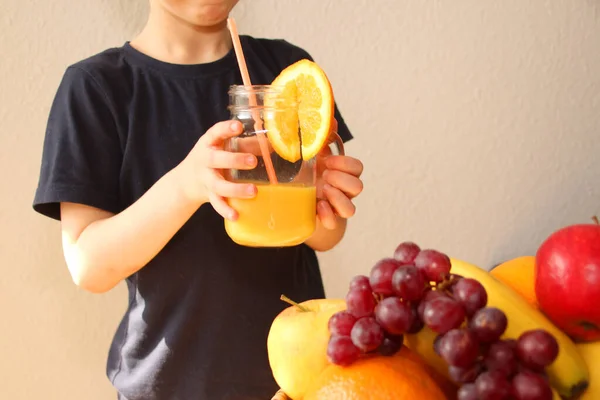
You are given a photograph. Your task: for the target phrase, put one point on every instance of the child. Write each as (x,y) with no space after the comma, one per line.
(130,168)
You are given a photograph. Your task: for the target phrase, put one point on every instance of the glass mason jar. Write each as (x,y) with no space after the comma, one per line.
(283,212)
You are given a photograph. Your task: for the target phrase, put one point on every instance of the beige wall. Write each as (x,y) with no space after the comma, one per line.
(478,122)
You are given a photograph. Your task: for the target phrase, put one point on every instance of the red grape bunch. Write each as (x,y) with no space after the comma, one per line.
(415,288)
(380,308)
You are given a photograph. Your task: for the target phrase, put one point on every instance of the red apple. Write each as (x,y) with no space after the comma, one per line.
(567,283)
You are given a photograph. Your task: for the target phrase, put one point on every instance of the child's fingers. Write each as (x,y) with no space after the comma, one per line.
(326,215)
(347,183)
(221,131)
(342,205)
(221,159)
(224,188)
(346,164)
(221,207)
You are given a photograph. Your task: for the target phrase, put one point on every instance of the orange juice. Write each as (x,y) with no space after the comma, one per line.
(279,215)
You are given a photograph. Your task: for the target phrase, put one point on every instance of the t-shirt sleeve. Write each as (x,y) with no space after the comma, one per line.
(81,155)
(343,130)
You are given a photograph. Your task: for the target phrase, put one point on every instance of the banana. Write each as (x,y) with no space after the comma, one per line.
(591,354)
(422,344)
(568,375)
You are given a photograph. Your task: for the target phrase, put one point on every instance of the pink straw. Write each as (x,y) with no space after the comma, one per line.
(262,140)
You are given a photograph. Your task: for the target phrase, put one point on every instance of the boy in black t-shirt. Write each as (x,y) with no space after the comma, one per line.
(130,160)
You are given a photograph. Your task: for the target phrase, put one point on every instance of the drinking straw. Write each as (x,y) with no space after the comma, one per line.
(262,140)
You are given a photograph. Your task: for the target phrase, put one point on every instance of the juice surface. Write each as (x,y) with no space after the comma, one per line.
(279,215)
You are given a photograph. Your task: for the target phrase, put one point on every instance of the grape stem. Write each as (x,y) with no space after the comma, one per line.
(446,283)
(595,219)
(293,303)
(378,297)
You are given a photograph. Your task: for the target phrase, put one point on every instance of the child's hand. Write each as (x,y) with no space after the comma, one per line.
(338,183)
(200,176)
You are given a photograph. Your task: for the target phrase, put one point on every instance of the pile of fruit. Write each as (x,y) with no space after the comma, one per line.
(415,289)
(425,325)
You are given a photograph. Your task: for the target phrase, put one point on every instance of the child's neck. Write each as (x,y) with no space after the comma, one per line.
(171,40)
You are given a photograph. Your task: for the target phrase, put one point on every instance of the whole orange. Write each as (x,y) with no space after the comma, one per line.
(297,344)
(399,377)
(448,387)
(518,274)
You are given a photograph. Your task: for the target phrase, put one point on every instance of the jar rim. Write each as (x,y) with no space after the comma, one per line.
(233,89)
(267,97)
(246,107)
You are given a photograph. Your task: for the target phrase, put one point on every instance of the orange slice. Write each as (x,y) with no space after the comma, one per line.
(308,93)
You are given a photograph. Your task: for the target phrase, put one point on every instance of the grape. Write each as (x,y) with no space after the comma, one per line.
(537,349)
(488,324)
(541,372)
(443,314)
(433,294)
(391,345)
(492,385)
(459,348)
(406,252)
(465,375)
(530,386)
(342,351)
(341,323)
(454,279)
(501,357)
(433,264)
(408,283)
(484,348)
(471,294)
(467,392)
(381,276)
(429,295)
(360,303)
(417,324)
(512,343)
(360,282)
(367,334)
(394,316)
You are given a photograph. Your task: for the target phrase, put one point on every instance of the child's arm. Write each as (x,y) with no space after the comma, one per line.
(101,248)
(325,239)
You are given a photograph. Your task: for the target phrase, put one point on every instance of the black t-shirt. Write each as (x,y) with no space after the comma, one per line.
(199,313)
